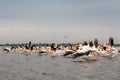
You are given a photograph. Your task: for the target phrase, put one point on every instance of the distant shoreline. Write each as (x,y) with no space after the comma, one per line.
(43,44)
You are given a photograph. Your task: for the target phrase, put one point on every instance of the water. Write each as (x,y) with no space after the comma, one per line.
(16,66)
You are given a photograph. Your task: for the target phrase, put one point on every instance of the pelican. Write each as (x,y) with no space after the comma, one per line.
(6,49)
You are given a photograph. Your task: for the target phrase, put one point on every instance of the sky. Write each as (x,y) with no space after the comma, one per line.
(59,21)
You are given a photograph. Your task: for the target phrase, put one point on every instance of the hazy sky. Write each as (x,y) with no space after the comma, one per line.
(52,20)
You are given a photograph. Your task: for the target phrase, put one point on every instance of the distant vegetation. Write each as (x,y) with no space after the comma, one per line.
(117,45)
(42,44)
